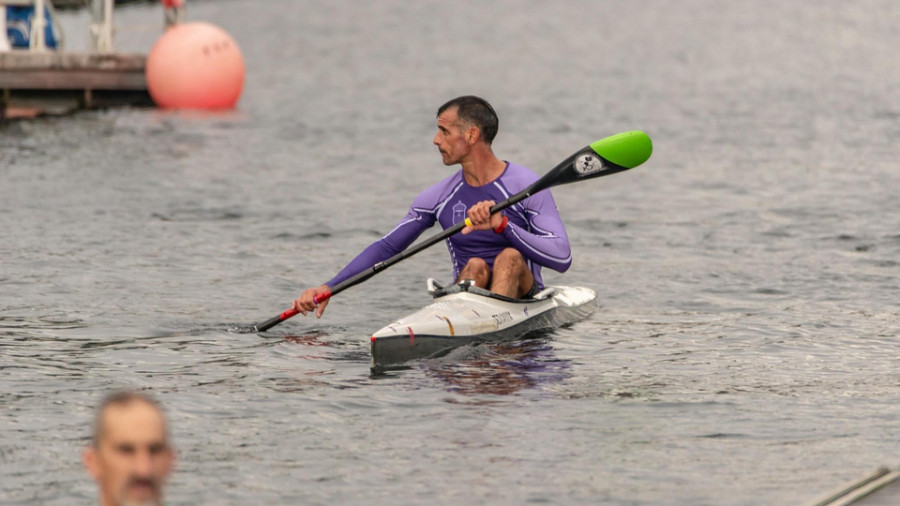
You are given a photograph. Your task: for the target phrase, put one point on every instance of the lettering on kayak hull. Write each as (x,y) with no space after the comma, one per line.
(502,318)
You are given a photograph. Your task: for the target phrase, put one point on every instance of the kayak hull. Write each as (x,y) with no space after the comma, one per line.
(464,314)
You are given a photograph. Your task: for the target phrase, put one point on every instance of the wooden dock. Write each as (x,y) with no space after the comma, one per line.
(33,83)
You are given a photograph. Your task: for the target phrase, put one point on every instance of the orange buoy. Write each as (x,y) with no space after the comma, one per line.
(195,66)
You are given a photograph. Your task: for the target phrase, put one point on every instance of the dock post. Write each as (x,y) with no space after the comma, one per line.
(4,41)
(102,26)
(37,40)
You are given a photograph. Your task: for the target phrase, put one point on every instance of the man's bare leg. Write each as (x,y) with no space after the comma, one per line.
(477,270)
(511,277)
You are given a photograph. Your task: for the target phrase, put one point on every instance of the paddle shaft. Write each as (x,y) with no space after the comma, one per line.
(570,170)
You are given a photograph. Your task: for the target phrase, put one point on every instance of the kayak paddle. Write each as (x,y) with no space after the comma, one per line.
(607,156)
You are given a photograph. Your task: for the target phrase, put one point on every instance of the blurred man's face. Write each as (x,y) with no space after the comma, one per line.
(132,457)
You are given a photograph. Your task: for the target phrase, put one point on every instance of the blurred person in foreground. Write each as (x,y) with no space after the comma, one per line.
(130,455)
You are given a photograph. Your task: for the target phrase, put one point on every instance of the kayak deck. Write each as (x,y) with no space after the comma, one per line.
(465,314)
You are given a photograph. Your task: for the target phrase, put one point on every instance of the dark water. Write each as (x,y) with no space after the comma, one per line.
(745,349)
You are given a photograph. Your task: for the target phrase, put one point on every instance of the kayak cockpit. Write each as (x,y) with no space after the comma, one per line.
(436,290)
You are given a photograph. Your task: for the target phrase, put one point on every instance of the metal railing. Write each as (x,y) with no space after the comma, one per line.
(101,28)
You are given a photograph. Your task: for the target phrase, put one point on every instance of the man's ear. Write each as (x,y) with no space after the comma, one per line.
(89,458)
(472,135)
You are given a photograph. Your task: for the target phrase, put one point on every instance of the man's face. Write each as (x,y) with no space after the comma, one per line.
(452,139)
(132,458)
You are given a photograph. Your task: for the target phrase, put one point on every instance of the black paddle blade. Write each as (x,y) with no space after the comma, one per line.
(607,156)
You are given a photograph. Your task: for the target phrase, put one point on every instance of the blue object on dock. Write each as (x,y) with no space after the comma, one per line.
(18,26)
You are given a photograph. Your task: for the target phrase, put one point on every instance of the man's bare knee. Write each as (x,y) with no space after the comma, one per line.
(509,257)
(478,266)
(477,270)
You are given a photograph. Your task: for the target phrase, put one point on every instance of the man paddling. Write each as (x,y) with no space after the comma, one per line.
(503,251)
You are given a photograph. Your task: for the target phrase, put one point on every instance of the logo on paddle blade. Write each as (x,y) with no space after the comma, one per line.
(588,163)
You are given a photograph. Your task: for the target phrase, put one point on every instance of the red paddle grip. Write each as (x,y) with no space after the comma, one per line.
(287,314)
(322,297)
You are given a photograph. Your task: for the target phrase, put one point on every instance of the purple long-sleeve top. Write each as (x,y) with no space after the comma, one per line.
(534,229)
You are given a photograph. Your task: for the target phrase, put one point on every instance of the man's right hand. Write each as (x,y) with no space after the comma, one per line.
(306,303)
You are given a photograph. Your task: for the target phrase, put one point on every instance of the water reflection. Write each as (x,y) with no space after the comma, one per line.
(323,345)
(313,339)
(499,368)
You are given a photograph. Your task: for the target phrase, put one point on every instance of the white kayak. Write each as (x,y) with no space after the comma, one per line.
(463,313)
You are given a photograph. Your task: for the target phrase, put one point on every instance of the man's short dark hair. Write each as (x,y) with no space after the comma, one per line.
(122,398)
(475,111)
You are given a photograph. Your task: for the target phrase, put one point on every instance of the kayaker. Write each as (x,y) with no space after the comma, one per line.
(504,251)
(130,456)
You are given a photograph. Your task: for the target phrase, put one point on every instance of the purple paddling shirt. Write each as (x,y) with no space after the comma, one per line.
(535,228)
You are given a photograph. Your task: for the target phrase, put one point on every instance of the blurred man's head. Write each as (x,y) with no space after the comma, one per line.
(130,455)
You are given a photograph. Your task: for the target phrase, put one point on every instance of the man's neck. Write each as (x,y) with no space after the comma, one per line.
(482,167)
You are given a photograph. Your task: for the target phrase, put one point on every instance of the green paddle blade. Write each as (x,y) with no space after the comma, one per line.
(627,149)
